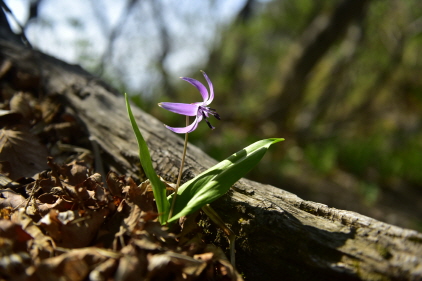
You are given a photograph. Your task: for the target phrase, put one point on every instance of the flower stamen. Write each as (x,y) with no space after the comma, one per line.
(208,122)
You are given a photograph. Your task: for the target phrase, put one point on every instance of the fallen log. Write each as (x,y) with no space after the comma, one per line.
(279,235)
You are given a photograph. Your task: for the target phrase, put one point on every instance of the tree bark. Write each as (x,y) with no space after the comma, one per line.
(279,235)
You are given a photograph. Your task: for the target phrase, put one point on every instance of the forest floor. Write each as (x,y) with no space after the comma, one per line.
(59,218)
(66,222)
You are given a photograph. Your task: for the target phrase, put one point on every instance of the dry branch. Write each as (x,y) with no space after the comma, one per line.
(280,236)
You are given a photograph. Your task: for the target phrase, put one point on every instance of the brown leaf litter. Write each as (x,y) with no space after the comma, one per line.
(68,226)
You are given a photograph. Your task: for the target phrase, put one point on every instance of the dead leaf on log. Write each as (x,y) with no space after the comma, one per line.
(22,152)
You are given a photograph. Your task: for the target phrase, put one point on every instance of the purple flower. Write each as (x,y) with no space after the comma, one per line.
(198,109)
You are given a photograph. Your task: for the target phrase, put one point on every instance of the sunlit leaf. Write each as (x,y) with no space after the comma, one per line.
(216,181)
(158,187)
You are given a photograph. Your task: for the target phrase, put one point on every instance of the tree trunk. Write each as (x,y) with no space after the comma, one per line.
(279,235)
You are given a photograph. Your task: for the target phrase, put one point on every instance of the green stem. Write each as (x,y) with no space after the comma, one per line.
(180,172)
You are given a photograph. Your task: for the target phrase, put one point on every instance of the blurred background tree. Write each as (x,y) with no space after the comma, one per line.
(339,79)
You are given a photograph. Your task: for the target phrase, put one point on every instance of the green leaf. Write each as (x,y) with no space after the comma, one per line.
(216,181)
(158,187)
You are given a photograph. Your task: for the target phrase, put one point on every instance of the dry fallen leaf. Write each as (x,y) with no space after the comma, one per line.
(9,198)
(41,246)
(74,173)
(22,152)
(14,231)
(74,265)
(70,229)
(72,209)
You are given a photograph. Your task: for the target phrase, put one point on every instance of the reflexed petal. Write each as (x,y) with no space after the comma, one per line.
(180,108)
(207,102)
(201,88)
(188,129)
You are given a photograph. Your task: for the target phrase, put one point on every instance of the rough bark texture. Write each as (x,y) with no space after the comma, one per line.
(280,236)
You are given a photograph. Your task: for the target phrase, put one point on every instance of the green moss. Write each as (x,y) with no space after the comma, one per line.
(368,276)
(384,252)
